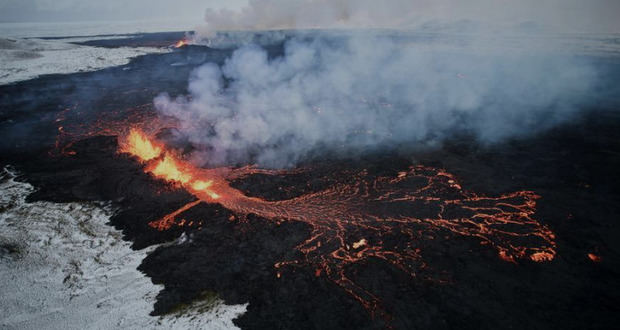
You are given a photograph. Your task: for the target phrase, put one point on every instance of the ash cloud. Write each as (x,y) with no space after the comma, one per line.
(364,91)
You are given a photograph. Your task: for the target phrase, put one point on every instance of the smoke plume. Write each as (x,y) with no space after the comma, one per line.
(485,68)
(363,90)
(559,15)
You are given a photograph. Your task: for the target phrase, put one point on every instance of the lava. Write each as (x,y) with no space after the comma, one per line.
(594,257)
(72,127)
(138,144)
(168,221)
(181,43)
(353,222)
(168,169)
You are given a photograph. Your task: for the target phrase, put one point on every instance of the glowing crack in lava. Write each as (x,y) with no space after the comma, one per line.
(351,222)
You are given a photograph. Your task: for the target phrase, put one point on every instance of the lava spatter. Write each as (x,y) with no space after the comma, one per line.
(350,222)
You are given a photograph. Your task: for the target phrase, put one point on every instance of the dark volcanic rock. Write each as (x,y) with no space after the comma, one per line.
(236,259)
(316,176)
(97,172)
(158,39)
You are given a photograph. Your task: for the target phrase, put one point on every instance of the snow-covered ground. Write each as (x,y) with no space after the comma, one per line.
(62,267)
(22,59)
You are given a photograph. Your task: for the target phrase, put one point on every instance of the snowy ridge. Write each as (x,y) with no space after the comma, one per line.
(22,59)
(62,267)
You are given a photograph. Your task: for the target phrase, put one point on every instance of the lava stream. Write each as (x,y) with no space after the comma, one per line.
(181,43)
(351,222)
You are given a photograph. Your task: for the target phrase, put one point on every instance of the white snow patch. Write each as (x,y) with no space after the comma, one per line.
(22,59)
(62,267)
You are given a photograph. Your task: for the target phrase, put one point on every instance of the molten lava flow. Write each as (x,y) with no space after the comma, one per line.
(181,43)
(139,145)
(168,221)
(168,169)
(73,126)
(352,222)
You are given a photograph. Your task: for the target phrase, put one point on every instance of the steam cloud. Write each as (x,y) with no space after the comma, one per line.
(368,92)
(367,89)
(561,15)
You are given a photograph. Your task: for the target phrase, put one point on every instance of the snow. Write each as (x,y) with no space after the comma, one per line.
(22,59)
(62,267)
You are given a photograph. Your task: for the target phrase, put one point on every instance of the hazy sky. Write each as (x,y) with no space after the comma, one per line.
(575,15)
(552,15)
(104,10)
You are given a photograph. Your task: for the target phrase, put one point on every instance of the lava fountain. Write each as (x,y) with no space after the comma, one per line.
(351,222)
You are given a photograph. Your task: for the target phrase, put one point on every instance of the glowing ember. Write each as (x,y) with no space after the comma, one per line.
(359,243)
(420,204)
(542,256)
(505,256)
(594,257)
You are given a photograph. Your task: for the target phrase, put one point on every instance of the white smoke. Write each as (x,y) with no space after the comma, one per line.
(560,15)
(366,90)
(291,14)
(488,68)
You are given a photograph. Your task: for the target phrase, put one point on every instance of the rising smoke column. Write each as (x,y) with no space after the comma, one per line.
(363,90)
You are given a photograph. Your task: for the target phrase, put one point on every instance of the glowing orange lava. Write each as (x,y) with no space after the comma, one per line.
(72,127)
(543,256)
(419,205)
(168,169)
(181,43)
(168,221)
(136,143)
(594,257)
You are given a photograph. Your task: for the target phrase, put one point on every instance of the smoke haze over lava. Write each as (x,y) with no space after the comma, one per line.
(560,15)
(481,68)
(369,90)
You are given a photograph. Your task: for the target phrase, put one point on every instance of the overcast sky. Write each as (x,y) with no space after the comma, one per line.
(573,15)
(105,10)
